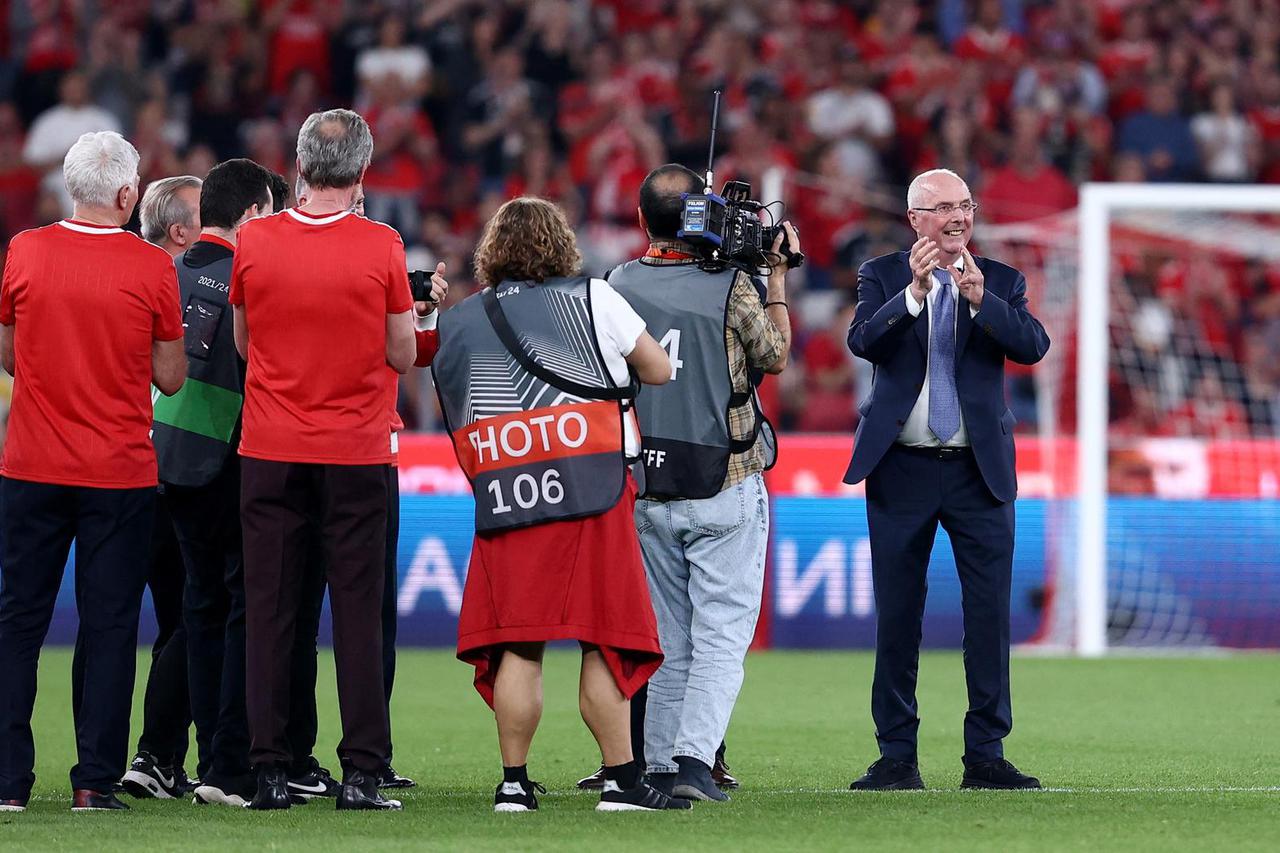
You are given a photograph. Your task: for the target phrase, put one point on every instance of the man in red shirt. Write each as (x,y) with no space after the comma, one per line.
(89,320)
(322,307)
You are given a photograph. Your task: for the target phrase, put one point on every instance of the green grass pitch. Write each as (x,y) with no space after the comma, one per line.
(1138,753)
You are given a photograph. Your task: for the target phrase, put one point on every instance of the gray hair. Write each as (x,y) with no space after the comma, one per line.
(925,179)
(334,147)
(98,166)
(161,207)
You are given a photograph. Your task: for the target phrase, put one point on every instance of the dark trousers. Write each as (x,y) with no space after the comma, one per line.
(207,521)
(278,499)
(303,722)
(112,530)
(908,494)
(166,709)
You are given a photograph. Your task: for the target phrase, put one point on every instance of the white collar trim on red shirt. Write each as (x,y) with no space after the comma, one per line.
(316,220)
(90,228)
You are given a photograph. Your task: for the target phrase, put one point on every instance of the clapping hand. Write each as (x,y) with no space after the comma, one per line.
(923,260)
(970,281)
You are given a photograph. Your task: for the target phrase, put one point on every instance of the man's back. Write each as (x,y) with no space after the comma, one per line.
(87,302)
(316,293)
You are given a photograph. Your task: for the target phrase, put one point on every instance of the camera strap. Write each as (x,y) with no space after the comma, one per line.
(507,335)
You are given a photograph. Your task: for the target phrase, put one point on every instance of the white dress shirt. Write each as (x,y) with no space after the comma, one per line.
(916,432)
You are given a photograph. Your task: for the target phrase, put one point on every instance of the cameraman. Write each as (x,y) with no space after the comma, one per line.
(704,518)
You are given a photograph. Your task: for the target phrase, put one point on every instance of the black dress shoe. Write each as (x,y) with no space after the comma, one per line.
(889,774)
(84,800)
(360,791)
(998,775)
(389,778)
(273,789)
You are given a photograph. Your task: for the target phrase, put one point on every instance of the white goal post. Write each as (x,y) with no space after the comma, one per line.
(1097,203)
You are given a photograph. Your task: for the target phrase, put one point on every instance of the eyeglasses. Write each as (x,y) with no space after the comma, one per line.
(947,208)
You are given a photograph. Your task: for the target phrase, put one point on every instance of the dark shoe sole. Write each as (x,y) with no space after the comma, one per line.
(977,784)
(913,784)
(689,792)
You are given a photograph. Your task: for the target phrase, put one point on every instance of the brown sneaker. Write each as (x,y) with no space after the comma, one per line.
(721,776)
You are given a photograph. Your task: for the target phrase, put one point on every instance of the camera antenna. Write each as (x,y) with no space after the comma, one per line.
(711,149)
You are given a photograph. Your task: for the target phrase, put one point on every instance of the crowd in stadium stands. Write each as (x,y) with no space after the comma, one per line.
(831,105)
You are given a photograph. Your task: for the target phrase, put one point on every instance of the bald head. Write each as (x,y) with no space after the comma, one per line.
(934,182)
(661,204)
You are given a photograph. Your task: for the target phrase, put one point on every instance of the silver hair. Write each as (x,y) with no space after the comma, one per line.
(161,207)
(98,166)
(925,179)
(334,147)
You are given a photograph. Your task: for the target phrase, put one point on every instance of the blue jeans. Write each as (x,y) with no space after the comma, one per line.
(705,563)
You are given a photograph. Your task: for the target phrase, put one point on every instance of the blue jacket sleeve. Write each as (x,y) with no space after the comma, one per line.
(879,324)
(1012,326)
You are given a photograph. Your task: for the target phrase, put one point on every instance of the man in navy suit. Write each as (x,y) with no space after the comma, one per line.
(935,445)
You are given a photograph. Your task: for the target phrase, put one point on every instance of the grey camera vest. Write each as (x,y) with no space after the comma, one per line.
(193,430)
(684,424)
(535,418)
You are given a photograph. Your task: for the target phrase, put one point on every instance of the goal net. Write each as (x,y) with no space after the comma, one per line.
(1154,422)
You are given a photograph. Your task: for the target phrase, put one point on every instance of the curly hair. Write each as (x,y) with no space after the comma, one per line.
(528,239)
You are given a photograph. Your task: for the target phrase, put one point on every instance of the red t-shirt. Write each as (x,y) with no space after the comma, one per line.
(86,302)
(316,292)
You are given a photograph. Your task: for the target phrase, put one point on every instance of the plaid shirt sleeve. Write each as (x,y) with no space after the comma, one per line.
(760,339)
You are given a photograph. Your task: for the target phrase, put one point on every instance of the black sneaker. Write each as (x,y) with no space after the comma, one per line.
(84,800)
(273,789)
(694,782)
(13,805)
(360,792)
(889,774)
(641,798)
(315,781)
(997,775)
(389,778)
(147,778)
(594,782)
(234,792)
(663,783)
(517,797)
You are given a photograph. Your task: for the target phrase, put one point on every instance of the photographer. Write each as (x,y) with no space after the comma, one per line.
(317,444)
(89,320)
(704,516)
(544,436)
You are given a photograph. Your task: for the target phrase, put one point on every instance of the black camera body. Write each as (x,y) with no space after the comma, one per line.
(728,229)
(420,286)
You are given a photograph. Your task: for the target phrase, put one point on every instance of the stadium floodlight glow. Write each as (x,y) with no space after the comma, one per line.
(1097,203)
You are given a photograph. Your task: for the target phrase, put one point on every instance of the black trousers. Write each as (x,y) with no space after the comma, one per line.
(166,708)
(207,521)
(278,500)
(303,721)
(112,532)
(908,495)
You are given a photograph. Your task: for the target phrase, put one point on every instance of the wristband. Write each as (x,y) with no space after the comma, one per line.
(778,302)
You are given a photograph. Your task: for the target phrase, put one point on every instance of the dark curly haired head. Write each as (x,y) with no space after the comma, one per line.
(528,239)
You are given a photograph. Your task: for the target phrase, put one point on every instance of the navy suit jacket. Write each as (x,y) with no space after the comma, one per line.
(885,334)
